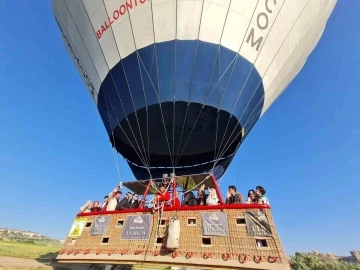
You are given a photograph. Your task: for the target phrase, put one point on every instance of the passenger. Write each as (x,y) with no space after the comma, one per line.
(201,195)
(86,208)
(189,199)
(163,195)
(260,191)
(113,199)
(252,197)
(212,199)
(124,203)
(232,197)
(134,202)
(96,207)
(176,202)
(105,203)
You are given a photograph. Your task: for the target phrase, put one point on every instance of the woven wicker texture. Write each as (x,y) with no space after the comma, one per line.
(238,244)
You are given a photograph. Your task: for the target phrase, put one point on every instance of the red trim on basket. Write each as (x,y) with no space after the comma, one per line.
(181,208)
(243,258)
(188,255)
(225,256)
(206,255)
(273,259)
(258,259)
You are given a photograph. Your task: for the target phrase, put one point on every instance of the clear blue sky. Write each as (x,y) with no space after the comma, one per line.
(55,154)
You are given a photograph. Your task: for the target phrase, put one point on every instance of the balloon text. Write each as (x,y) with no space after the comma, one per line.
(130,4)
(262,22)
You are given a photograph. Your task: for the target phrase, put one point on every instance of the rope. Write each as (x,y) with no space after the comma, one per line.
(99,76)
(227,84)
(175,49)
(106,99)
(196,186)
(157,72)
(242,89)
(192,78)
(128,85)
(255,115)
(280,70)
(112,150)
(207,95)
(93,65)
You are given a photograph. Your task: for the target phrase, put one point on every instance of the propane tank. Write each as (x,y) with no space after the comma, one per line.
(173,234)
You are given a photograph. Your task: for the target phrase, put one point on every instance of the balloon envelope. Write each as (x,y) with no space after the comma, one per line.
(180,84)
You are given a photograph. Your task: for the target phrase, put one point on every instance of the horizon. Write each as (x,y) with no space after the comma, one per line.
(56,153)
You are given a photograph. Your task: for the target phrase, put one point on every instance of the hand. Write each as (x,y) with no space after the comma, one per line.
(89,202)
(228,195)
(116,189)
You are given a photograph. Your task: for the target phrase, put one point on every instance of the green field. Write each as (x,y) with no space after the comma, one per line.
(28,251)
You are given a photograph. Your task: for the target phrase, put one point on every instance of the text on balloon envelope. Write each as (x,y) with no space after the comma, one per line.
(116,14)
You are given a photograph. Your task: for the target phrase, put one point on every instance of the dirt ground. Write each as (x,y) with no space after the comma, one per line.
(19,263)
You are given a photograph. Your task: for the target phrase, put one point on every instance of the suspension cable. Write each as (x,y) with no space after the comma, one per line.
(127,82)
(228,81)
(174,97)
(207,94)
(270,65)
(112,134)
(247,78)
(192,78)
(107,99)
(140,157)
(157,72)
(113,139)
(252,115)
(86,50)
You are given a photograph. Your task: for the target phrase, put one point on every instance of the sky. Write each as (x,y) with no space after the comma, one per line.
(55,153)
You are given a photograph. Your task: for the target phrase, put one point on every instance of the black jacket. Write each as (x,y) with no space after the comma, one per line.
(189,200)
(135,204)
(123,204)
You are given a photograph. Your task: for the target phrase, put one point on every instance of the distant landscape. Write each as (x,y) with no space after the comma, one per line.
(27,236)
(26,244)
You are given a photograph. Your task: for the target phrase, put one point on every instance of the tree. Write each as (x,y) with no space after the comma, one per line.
(305,261)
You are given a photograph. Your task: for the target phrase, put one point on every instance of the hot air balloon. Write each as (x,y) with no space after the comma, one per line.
(180,84)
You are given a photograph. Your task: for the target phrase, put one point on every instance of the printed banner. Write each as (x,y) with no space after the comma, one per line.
(100,225)
(77,227)
(215,224)
(137,227)
(257,224)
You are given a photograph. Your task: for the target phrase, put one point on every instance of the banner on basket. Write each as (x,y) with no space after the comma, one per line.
(257,223)
(215,223)
(100,225)
(137,227)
